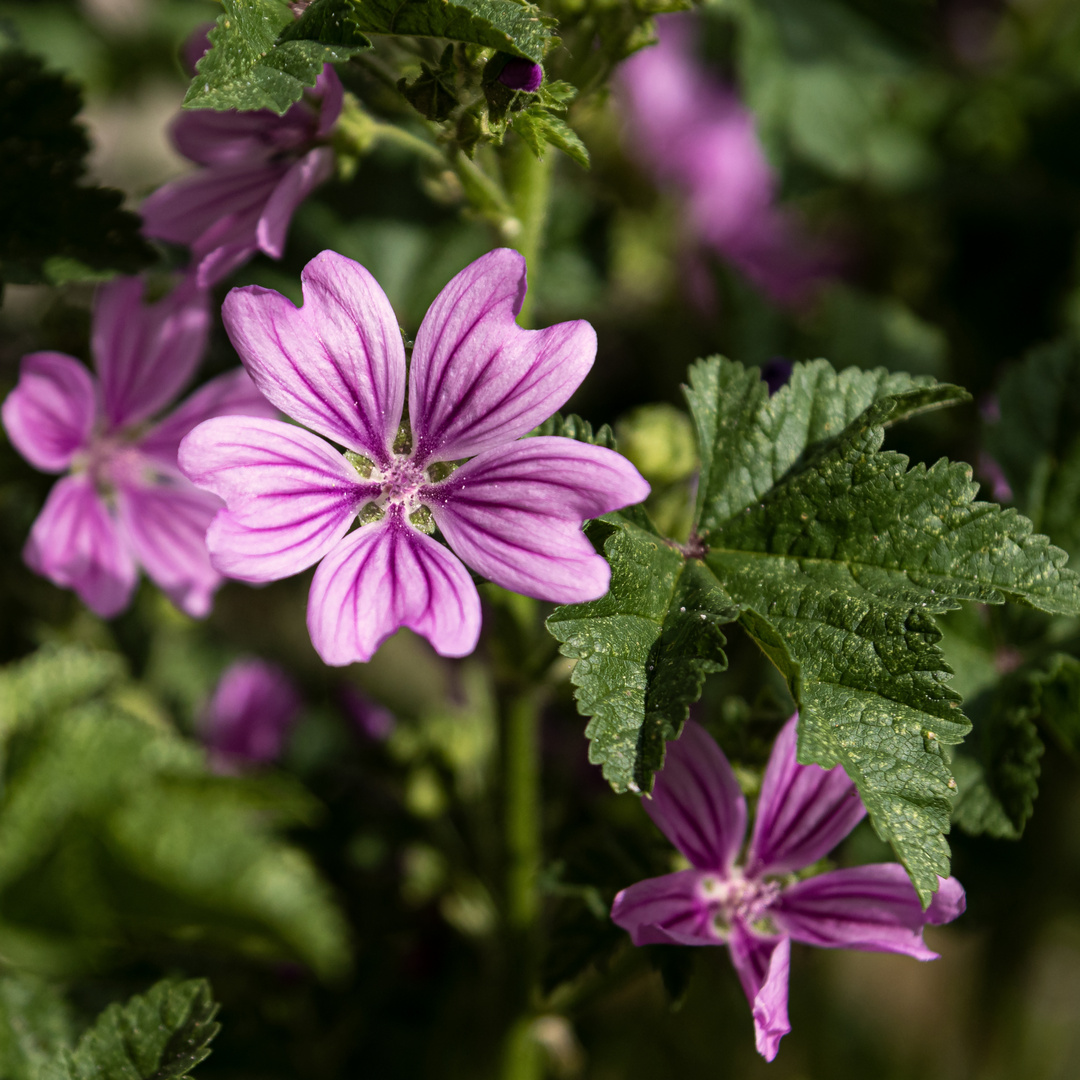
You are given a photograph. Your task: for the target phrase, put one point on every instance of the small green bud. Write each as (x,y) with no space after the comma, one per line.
(659,440)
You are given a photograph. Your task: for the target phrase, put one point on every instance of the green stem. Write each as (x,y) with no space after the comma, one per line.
(523,839)
(528,179)
(522,1058)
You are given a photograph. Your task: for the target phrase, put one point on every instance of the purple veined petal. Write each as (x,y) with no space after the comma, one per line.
(337,364)
(77,544)
(515,514)
(665,910)
(166,525)
(332,94)
(478,380)
(763,965)
(696,802)
(290,498)
(385,576)
(230,137)
(231,394)
(146,353)
(296,185)
(49,414)
(250,712)
(803,813)
(214,211)
(874,908)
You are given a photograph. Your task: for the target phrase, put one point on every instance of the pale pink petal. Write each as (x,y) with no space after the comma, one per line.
(696,801)
(166,525)
(763,964)
(515,514)
(385,576)
(874,908)
(666,910)
(337,364)
(289,497)
(49,414)
(803,813)
(295,186)
(231,394)
(146,353)
(478,380)
(76,543)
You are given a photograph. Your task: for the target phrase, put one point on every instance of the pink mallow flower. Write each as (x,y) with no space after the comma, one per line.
(757,907)
(258,167)
(250,713)
(694,135)
(124,502)
(478,383)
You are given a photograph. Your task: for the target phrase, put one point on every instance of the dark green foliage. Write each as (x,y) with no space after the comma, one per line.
(160,1035)
(1059,700)
(246,68)
(34,1026)
(101,788)
(998,772)
(573,427)
(838,556)
(1037,440)
(53,227)
(517,28)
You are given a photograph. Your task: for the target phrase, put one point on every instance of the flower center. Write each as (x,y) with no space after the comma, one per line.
(110,461)
(401,481)
(736,897)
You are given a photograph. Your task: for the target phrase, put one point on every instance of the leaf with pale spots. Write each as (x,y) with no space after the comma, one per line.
(643,650)
(838,556)
(248,68)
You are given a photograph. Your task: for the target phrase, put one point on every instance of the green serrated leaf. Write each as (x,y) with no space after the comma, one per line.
(52,226)
(540,128)
(1037,440)
(506,25)
(748,440)
(573,427)
(643,651)
(840,555)
(160,1035)
(247,68)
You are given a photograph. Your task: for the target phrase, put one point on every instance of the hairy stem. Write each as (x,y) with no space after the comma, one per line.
(528,179)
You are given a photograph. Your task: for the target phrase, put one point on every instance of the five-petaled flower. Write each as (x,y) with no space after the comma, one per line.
(257,169)
(756,908)
(478,382)
(124,503)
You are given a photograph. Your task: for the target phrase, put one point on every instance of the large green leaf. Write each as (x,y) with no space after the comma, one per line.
(643,650)
(54,227)
(247,68)
(160,1035)
(506,25)
(838,555)
(841,564)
